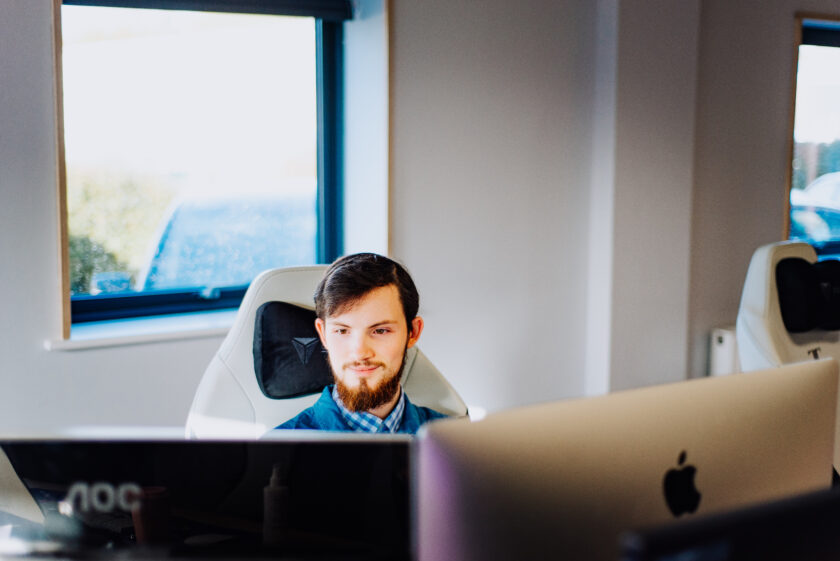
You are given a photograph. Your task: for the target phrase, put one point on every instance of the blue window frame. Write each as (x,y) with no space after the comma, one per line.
(329,15)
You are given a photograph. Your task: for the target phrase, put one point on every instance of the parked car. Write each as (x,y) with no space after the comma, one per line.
(823,191)
(226,241)
(815,214)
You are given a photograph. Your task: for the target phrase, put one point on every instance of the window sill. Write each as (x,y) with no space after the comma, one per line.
(139,331)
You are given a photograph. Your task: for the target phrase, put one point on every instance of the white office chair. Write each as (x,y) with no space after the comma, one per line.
(232,399)
(789,307)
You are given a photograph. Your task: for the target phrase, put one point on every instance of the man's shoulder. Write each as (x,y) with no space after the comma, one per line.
(428,414)
(416,415)
(303,420)
(322,415)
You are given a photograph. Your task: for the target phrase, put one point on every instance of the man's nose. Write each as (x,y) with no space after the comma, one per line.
(362,349)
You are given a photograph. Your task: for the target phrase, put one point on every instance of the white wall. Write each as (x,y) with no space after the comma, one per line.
(655,100)
(492,106)
(509,123)
(601,232)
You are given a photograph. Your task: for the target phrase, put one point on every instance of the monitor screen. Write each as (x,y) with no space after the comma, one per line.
(306,495)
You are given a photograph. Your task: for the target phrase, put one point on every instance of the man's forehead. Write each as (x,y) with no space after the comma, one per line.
(383,301)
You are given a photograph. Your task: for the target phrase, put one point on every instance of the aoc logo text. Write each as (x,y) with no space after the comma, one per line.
(100,497)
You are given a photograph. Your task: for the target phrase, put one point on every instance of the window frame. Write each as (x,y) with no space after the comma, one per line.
(329,16)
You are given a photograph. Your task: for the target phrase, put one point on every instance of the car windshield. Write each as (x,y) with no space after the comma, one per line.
(815,213)
(227,241)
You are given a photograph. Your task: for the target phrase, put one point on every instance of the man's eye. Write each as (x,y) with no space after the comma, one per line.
(381,331)
(341,331)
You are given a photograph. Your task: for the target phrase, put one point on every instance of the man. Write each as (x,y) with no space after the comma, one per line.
(366,307)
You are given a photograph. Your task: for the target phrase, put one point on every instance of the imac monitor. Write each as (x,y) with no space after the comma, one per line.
(563,480)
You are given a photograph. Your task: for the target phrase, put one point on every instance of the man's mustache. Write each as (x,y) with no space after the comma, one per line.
(363,364)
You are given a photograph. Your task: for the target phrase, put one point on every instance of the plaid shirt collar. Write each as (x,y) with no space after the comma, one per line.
(368,422)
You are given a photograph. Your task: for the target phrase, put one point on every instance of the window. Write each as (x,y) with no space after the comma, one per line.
(815,174)
(200,149)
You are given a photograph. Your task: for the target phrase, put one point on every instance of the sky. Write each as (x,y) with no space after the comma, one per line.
(818,95)
(219,101)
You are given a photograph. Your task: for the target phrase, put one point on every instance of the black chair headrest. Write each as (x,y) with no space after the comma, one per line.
(809,294)
(289,359)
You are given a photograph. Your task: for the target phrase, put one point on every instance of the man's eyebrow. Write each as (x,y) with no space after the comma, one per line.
(377,324)
(384,322)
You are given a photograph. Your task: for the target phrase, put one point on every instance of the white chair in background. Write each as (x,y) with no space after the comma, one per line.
(790,307)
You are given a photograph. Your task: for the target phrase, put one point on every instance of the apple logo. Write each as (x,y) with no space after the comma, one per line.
(680,493)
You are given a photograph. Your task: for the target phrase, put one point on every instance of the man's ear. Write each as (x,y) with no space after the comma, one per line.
(321,328)
(416,330)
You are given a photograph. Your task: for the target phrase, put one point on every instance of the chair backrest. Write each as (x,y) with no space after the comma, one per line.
(229,401)
(789,307)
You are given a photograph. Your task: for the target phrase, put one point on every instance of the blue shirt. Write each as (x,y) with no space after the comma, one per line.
(328,413)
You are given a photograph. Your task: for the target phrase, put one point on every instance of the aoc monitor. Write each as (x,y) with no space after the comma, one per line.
(563,480)
(304,495)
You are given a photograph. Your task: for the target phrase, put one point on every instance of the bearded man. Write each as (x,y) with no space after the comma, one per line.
(366,307)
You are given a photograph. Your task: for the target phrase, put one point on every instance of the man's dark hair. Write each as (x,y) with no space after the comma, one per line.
(351,277)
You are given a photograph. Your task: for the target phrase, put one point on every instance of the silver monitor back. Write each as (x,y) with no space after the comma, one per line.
(563,480)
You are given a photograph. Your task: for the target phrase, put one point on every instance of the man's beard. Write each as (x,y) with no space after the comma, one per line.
(363,398)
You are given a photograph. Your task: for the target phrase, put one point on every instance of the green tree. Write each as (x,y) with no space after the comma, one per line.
(118,213)
(829,158)
(86,258)
(800,178)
